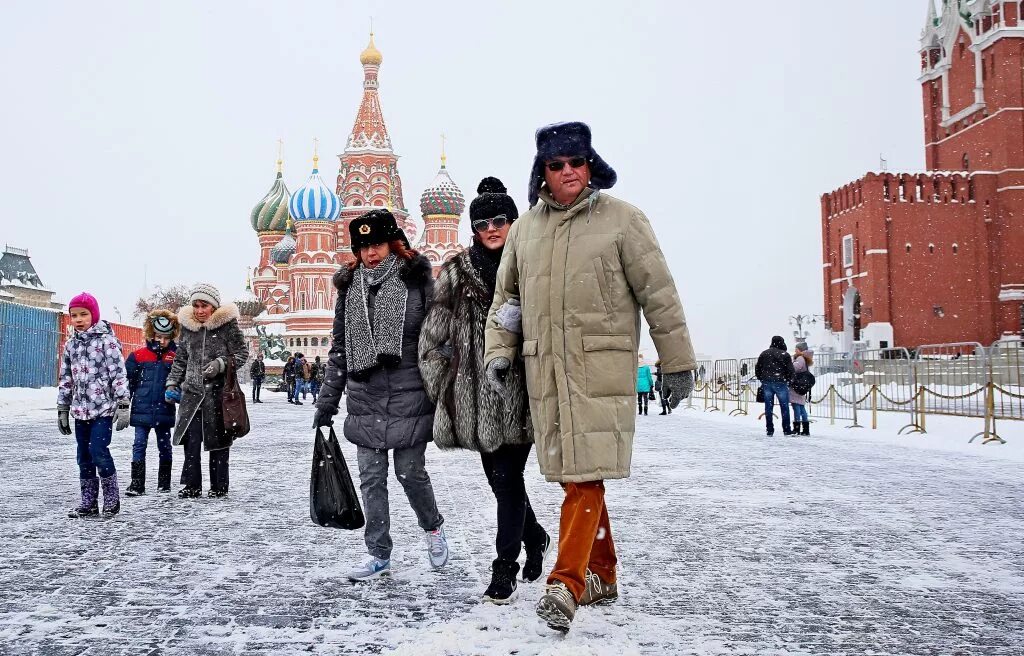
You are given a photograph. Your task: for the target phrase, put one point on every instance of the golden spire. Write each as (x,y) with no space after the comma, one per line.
(316,151)
(280,155)
(391,196)
(444,158)
(371,55)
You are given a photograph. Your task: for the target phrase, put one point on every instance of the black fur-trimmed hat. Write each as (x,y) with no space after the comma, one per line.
(492,201)
(375,227)
(568,139)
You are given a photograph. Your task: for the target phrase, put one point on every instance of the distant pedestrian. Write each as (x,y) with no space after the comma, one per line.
(644,385)
(800,388)
(148,368)
(382,299)
(306,376)
(210,338)
(289,378)
(774,370)
(666,409)
(93,388)
(257,372)
(300,369)
(470,414)
(317,374)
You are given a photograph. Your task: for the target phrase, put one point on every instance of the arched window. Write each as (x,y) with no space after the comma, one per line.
(325,342)
(956,249)
(931,248)
(908,246)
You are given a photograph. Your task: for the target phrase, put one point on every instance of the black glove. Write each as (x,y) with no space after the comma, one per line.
(323,417)
(63,419)
(679,385)
(497,369)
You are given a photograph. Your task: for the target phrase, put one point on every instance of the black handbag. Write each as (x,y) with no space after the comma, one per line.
(759,397)
(333,500)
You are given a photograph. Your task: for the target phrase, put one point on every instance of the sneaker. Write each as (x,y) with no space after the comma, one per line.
(502,589)
(557,607)
(190,493)
(535,557)
(374,568)
(597,591)
(437,548)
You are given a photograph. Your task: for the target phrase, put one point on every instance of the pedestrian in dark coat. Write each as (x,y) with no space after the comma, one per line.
(210,338)
(666,409)
(289,376)
(774,370)
(470,414)
(382,300)
(148,368)
(257,372)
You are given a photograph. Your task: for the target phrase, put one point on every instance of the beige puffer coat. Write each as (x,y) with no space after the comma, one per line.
(582,273)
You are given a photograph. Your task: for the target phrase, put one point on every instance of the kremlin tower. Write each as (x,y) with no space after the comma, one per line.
(303,236)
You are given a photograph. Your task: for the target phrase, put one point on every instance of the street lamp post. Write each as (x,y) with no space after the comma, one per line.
(799,320)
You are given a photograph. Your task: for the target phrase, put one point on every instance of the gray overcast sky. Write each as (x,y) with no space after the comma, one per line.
(142,133)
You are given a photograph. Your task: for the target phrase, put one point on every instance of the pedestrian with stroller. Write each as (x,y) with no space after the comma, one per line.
(383,297)
(470,414)
(210,339)
(148,368)
(93,389)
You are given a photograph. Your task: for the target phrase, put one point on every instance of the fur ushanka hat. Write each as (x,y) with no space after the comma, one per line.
(161,323)
(570,139)
(375,227)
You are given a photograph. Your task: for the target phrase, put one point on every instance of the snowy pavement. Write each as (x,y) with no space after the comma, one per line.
(729,543)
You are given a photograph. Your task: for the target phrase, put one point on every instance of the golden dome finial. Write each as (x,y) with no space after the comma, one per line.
(280,155)
(371,55)
(444,157)
(316,153)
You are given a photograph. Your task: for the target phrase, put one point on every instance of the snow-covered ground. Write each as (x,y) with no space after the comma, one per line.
(850,541)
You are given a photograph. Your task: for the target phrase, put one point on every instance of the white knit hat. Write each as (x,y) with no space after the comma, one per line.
(204,292)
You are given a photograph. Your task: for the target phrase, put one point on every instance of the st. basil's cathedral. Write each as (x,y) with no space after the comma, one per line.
(304,238)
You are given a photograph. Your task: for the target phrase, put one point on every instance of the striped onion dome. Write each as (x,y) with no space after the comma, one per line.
(271,213)
(443,196)
(314,201)
(285,248)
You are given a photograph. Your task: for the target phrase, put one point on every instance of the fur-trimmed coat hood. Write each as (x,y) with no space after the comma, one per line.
(469,414)
(150,333)
(220,316)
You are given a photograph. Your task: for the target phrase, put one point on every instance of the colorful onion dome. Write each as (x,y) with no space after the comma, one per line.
(314,201)
(443,196)
(248,303)
(371,55)
(285,248)
(271,213)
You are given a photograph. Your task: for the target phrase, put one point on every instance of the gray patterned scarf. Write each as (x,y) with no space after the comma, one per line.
(370,341)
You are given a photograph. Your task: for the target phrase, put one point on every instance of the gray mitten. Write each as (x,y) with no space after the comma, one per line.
(678,386)
(122,415)
(214,369)
(497,369)
(510,316)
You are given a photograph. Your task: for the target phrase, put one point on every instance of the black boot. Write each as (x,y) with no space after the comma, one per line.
(190,493)
(502,589)
(807,428)
(138,484)
(163,477)
(535,555)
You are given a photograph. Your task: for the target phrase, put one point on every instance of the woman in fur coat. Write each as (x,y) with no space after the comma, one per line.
(470,414)
(382,299)
(210,336)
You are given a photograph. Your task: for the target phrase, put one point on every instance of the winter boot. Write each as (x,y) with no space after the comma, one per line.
(535,557)
(138,484)
(163,477)
(111,495)
(502,589)
(557,607)
(437,548)
(190,492)
(807,428)
(597,591)
(89,507)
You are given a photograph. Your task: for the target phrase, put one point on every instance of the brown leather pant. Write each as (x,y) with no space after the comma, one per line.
(584,538)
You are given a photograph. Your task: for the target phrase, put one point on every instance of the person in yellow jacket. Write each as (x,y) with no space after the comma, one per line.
(576,270)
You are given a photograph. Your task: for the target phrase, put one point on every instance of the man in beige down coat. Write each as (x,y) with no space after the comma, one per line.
(576,270)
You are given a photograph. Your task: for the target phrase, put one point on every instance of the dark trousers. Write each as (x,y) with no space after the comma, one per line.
(257,385)
(517,525)
(290,384)
(93,437)
(314,388)
(641,401)
(192,470)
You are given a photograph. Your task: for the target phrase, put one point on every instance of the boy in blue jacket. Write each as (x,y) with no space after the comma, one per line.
(148,368)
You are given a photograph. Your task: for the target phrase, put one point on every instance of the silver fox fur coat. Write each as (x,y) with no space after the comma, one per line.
(469,415)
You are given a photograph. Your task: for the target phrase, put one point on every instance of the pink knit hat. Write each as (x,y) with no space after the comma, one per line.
(88,302)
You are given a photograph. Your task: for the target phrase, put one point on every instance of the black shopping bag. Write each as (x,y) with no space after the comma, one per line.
(332,496)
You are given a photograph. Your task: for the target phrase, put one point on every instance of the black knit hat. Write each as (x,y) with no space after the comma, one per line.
(492,201)
(375,227)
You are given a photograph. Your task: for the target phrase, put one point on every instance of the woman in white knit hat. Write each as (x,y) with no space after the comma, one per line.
(210,337)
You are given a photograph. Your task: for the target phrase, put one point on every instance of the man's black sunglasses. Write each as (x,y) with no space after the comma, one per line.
(559,164)
(498,222)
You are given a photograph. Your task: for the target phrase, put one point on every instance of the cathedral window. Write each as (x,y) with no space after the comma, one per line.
(848,251)
(908,246)
(956,249)
(931,248)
